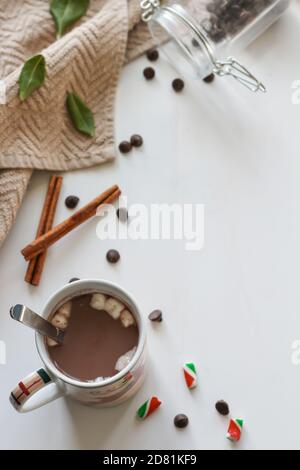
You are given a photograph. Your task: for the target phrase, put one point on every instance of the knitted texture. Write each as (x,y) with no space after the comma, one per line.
(38,134)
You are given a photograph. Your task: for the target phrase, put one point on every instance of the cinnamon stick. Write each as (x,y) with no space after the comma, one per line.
(43,242)
(42,223)
(41,258)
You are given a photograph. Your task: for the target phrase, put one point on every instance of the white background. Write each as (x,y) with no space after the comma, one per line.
(232,308)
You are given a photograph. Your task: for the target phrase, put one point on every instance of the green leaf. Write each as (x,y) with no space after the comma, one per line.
(32,76)
(67,12)
(81,116)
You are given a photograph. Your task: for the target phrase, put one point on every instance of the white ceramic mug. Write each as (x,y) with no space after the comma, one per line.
(49,383)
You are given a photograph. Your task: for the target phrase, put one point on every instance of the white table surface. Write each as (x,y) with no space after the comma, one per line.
(233,307)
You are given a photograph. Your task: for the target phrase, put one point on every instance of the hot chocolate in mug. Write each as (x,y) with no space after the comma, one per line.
(50,383)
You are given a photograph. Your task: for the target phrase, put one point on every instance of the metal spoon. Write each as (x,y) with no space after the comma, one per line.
(26,316)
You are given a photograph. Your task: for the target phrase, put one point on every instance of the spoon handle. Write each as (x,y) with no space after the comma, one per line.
(26,316)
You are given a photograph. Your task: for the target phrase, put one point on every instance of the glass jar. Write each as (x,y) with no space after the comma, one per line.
(203,34)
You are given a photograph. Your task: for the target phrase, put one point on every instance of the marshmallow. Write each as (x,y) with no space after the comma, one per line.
(114,308)
(127,318)
(65,309)
(124,360)
(96,380)
(51,342)
(98,301)
(60,321)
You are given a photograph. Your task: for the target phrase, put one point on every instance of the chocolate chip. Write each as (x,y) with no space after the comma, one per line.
(71,202)
(222,407)
(181,421)
(74,279)
(125,146)
(122,214)
(153,55)
(113,256)
(136,140)
(178,85)
(209,79)
(149,73)
(195,43)
(156,316)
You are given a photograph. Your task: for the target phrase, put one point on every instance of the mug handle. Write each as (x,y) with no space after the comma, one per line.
(24,397)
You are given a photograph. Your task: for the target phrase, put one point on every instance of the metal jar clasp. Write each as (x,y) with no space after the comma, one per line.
(149,7)
(232,68)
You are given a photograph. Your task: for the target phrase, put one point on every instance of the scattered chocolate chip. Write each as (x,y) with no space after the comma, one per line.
(136,140)
(209,79)
(113,256)
(125,146)
(149,73)
(155,316)
(181,421)
(122,214)
(195,43)
(74,279)
(71,202)
(153,55)
(222,407)
(178,85)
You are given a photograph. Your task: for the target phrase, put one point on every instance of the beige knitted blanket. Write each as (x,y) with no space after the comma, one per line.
(37,134)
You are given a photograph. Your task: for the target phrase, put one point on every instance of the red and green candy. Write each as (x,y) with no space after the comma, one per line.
(234,432)
(190,375)
(148,407)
